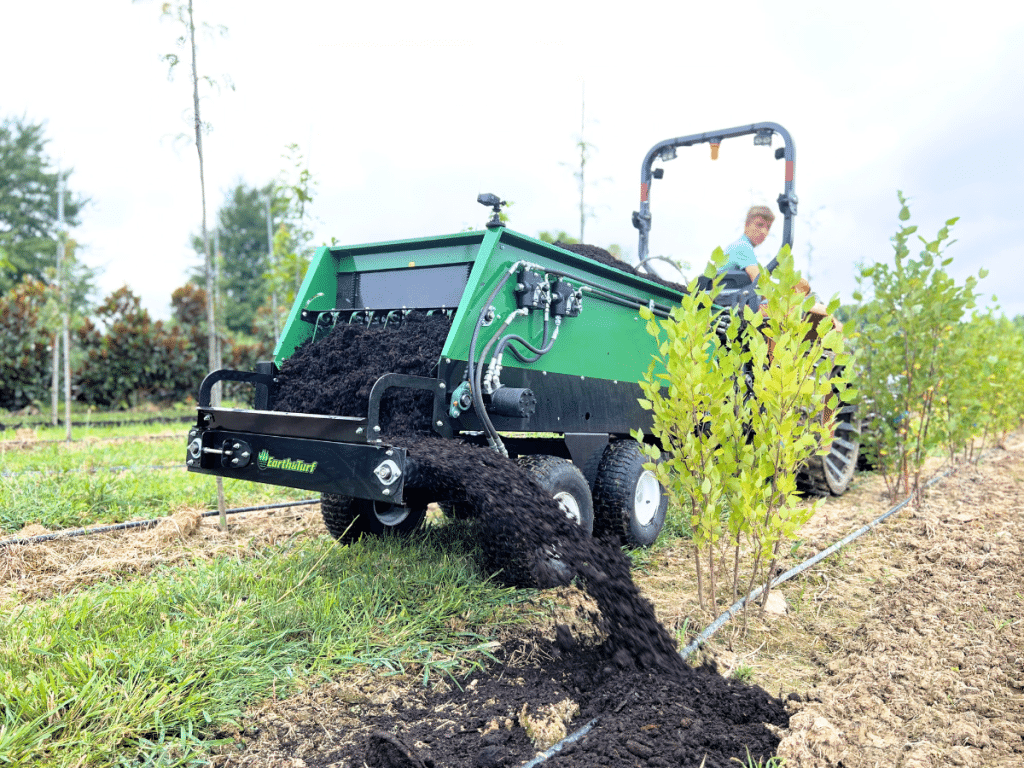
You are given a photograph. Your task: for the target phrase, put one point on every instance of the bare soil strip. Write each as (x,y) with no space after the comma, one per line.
(930,673)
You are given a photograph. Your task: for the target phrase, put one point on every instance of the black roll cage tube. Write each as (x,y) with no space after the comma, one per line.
(787,200)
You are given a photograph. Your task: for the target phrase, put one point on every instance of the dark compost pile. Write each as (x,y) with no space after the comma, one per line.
(605,257)
(688,717)
(648,697)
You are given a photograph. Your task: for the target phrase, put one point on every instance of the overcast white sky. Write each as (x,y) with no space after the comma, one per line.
(407,111)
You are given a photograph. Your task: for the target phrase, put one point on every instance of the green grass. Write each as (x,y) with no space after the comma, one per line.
(113,479)
(155,670)
(68,500)
(82,415)
(152,671)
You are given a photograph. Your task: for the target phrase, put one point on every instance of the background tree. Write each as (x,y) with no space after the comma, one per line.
(28,203)
(912,346)
(243,251)
(184,16)
(129,358)
(293,241)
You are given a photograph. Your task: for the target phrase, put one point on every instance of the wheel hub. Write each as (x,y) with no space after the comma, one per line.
(569,506)
(390,514)
(647,498)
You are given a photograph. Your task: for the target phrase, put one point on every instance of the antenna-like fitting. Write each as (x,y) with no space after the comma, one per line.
(494,202)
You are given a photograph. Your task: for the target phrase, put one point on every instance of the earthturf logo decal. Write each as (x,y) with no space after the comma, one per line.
(266,461)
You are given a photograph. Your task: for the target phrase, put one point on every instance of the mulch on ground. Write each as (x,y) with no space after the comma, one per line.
(539,690)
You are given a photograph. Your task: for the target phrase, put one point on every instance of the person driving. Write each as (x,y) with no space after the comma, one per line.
(740,254)
(755,230)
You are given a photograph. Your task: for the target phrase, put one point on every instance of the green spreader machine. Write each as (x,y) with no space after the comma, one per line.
(541,363)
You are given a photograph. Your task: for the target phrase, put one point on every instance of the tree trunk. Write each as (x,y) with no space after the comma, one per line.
(211,321)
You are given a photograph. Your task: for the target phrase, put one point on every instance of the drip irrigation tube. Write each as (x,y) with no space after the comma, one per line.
(556,748)
(65,441)
(735,608)
(74,532)
(739,604)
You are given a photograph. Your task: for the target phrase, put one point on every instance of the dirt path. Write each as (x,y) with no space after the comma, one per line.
(931,671)
(905,648)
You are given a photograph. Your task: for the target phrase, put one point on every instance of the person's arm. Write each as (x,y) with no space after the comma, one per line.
(753,271)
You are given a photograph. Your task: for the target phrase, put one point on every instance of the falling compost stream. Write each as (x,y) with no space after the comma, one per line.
(654,708)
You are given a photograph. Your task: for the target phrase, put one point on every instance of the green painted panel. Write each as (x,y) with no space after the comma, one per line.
(321,278)
(606,340)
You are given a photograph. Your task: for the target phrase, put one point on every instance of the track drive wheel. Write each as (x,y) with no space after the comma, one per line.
(629,502)
(348,519)
(833,472)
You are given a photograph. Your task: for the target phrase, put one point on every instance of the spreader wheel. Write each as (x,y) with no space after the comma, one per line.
(567,485)
(833,472)
(564,481)
(348,519)
(629,502)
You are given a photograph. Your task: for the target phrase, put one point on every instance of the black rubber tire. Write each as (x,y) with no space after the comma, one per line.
(832,473)
(349,519)
(629,502)
(566,483)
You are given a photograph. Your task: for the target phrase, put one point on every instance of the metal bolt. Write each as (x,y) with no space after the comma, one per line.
(440,423)
(386,492)
(359,431)
(234,461)
(376,428)
(440,385)
(389,453)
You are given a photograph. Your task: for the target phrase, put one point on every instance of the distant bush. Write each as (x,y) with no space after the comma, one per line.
(128,358)
(25,341)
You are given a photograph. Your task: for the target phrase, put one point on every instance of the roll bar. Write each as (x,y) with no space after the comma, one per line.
(665,150)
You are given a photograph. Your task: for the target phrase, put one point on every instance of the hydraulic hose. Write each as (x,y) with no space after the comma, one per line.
(474,370)
(492,379)
(544,348)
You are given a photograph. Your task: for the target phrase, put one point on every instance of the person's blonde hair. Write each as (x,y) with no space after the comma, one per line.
(760,211)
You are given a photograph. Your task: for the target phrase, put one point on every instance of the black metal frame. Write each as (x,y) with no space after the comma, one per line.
(787,201)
